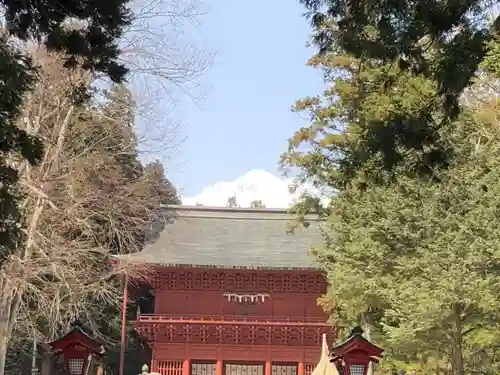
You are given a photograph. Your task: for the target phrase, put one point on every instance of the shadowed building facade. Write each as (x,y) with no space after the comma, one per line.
(235,294)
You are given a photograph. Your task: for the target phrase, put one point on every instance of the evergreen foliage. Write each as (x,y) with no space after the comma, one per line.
(18,76)
(368,50)
(232,201)
(257,204)
(86,31)
(411,246)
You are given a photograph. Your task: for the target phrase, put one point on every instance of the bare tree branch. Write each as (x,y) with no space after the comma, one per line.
(89,198)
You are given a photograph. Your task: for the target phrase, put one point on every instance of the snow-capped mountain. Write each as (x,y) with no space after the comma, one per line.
(273,191)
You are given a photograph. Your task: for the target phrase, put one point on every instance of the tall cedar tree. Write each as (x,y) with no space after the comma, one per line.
(439,41)
(94,47)
(413,177)
(418,262)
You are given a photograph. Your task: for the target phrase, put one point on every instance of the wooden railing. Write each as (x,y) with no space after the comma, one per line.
(234,330)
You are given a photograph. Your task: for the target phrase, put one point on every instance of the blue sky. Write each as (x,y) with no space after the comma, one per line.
(259,71)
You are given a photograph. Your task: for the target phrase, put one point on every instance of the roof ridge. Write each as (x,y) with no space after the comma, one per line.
(225,209)
(235,213)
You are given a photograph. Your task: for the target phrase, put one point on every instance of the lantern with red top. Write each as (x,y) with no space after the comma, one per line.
(353,357)
(77,348)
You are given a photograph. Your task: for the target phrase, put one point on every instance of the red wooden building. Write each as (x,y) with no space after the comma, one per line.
(235,294)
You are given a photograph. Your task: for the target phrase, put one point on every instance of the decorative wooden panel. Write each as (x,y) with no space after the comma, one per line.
(167,367)
(240,281)
(309,368)
(203,368)
(284,369)
(246,333)
(292,305)
(199,303)
(243,369)
(195,302)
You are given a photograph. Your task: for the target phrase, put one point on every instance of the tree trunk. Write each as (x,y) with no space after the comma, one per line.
(8,308)
(3,347)
(457,360)
(47,365)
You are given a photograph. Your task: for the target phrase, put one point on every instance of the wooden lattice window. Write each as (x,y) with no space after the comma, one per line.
(203,368)
(243,369)
(284,369)
(167,367)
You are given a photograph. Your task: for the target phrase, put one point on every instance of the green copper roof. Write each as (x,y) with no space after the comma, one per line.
(231,237)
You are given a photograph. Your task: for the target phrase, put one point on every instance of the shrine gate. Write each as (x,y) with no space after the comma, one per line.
(235,293)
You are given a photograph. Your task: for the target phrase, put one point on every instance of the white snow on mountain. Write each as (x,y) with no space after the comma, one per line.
(274,192)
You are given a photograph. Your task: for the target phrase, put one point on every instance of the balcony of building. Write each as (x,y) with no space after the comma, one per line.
(232,330)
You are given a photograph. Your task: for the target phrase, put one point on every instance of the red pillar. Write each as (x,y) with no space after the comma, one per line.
(124,323)
(267,370)
(154,365)
(185,367)
(218,367)
(300,370)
